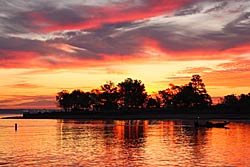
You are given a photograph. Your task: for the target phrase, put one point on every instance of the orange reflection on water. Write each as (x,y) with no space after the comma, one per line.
(179,140)
(122,143)
(230,145)
(131,129)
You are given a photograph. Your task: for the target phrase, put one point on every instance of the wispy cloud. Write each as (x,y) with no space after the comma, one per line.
(25,85)
(14,101)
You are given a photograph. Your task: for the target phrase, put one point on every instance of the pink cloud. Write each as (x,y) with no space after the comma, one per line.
(69,57)
(18,59)
(90,17)
(195,54)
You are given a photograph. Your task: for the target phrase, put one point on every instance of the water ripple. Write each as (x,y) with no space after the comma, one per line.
(122,143)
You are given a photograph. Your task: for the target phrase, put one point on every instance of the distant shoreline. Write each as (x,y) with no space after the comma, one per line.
(128,115)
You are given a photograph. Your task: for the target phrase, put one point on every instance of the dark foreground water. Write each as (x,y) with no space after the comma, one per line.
(122,143)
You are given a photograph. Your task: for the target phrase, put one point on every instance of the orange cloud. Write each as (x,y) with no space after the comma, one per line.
(235,74)
(228,78)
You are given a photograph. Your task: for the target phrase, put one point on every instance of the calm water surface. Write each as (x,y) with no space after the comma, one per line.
(122,143)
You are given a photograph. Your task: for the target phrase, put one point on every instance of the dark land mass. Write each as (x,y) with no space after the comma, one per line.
(135,115)
(11,111)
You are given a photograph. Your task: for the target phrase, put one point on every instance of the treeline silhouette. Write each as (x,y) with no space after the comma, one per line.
(131,95)
(233,103)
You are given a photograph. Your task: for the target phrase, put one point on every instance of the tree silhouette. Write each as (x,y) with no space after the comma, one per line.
(64,100)
(132,93)
(74,101)
(153,103)
(236,103)
(201,98)
(186,98)
(109,96)
(198,85)
(192,95)
(76,97)
(244,100)
(230,100)
(95,99)
(168,95)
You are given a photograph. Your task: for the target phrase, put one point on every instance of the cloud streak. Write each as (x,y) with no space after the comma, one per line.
(32,102)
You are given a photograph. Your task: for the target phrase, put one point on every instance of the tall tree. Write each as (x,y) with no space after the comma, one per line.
(201,98)
(197,84)
(186,97)
(191,95)
(81,100)
(76,96)
(109,96)
(132,93)
(64,100)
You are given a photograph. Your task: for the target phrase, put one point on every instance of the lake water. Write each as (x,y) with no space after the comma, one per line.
(122,143)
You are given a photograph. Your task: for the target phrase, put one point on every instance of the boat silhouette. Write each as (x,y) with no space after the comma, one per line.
(209,124)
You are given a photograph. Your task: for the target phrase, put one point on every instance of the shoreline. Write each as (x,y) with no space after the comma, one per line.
(133,116)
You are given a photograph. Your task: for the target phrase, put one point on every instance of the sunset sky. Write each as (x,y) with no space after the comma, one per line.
(48,45)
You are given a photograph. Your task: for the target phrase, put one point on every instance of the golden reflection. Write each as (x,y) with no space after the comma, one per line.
(149,141)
